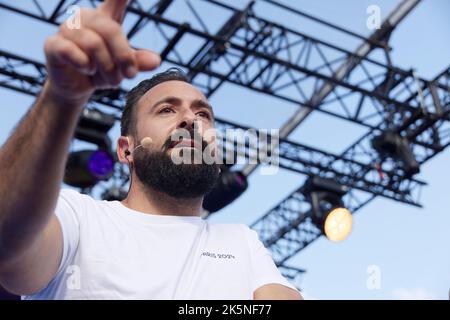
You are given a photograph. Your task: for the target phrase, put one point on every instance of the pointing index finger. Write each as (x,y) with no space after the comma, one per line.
(114,9)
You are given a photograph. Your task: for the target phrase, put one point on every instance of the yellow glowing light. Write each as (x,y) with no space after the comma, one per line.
(338,224)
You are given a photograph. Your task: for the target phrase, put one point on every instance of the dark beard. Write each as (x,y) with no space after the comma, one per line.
(157,171)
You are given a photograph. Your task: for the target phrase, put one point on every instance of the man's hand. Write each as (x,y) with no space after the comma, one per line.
(95,56)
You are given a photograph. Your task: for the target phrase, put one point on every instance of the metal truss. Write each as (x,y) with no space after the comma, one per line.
(27,76)
(267,57)
(287,228)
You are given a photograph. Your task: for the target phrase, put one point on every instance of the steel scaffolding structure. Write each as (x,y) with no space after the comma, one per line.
(27,76)
(267,57)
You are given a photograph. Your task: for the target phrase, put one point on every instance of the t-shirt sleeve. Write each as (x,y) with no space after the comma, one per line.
(263,268)
(69,210)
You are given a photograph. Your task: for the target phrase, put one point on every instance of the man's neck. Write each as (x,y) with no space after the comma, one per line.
(156,202)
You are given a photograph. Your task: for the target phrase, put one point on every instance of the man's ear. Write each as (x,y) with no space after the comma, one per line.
(123,148)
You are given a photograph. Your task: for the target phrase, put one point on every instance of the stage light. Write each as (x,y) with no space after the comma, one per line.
(100,164)
(229,187)
(327,208)
(338,224)
(93,127)
(392,144)
(86,168)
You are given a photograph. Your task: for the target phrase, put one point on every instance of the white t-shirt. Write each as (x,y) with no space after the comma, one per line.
(113,252)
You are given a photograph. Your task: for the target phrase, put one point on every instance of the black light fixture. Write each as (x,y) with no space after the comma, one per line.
(328,212)
(393,145)
(230,185)
(93,127)
(85,168)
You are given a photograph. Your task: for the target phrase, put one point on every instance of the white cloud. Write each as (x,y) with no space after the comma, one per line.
(413,294)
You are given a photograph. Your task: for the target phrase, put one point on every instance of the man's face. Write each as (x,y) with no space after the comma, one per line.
(172,106)
(169,114)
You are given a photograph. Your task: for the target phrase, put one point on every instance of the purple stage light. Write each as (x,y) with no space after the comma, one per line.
(100,164)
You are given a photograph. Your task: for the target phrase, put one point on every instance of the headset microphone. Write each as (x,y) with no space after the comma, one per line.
(145,143)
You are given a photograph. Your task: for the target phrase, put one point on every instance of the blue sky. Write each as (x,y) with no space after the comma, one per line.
(409,246)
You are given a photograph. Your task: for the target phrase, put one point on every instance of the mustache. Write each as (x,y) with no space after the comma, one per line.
(178,134)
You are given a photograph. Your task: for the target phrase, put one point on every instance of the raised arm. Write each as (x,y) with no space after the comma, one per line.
(32,161)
